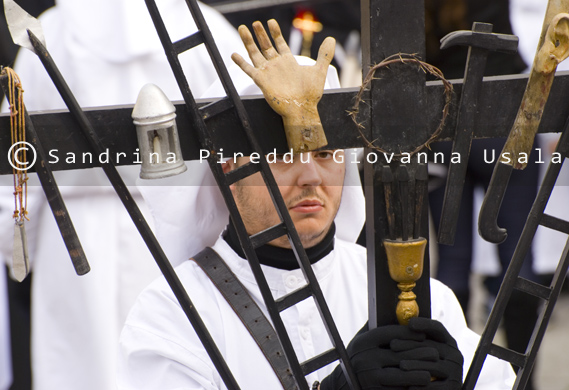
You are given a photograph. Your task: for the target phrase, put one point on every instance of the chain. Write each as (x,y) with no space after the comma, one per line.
(18,134)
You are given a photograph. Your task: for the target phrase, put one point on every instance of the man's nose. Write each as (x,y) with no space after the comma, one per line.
(309,171)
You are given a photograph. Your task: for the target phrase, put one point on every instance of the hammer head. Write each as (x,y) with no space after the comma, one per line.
(483,38)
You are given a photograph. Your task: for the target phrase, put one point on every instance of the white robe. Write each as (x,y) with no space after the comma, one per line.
(160,350)
(106,50)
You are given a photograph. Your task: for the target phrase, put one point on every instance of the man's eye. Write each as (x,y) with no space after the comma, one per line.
(279,157)
(324,154)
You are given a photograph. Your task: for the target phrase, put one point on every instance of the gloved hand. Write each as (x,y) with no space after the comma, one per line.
(377,366)
(446,370)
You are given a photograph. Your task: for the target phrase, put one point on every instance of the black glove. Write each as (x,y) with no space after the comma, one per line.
(446,371)
(377,366)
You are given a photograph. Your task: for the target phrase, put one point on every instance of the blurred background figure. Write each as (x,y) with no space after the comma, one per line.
(5,345)
(106,50)
(18,313)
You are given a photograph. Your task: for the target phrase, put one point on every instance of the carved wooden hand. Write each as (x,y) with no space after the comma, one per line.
(292,90)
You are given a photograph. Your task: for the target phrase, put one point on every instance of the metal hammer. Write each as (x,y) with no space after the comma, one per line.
(481,42)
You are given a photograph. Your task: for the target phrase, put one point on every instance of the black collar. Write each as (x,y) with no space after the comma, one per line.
(282,258)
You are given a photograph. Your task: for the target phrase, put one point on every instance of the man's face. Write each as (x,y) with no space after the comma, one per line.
(311,186)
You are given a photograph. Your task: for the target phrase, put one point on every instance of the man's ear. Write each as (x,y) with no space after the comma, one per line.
(555,47)
(227,166)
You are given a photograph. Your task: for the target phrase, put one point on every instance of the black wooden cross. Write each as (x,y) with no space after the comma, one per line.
(400,112)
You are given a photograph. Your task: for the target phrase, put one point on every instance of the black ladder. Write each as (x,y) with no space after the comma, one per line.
(512,280)
(249,243)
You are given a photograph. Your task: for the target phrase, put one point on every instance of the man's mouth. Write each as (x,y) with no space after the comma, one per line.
(308,206)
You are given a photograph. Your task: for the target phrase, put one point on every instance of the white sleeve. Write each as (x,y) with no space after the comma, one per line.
(496,374)
(158,349)
(150,362)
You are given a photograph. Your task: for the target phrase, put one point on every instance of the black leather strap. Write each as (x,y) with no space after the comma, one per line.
(248,311)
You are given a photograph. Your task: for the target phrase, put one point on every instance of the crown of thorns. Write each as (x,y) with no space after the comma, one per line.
(425,67)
